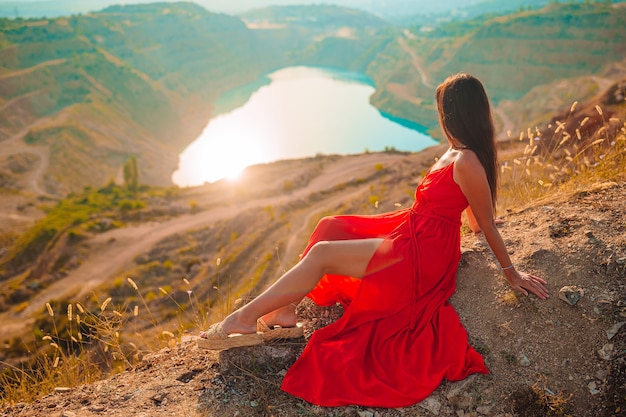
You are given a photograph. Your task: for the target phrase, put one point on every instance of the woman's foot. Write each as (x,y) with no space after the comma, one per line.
(283,317)
(232,324)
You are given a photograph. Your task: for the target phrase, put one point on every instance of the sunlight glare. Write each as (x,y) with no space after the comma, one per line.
(225,155)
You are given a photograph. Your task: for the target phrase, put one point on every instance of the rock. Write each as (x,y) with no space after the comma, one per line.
(592,238)
(561,229)
(523,360)
(459,395)
(601,374)
(365,413)
(68,414)
(463,400)
(592,388)
(62,389)
(571,294)
(159,398)
(432,405)
(606,351)
(484,410)
(613,330)
(97,408)
(266,358)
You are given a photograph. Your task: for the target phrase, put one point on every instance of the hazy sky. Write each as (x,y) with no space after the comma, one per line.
(52,8)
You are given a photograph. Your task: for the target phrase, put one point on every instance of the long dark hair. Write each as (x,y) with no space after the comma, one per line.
(465,117)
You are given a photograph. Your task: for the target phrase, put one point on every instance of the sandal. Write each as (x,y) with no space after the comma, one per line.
(277,332)
(217,339)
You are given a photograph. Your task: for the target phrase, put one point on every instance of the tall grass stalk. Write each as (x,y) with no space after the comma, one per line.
(88,347)
(567,164)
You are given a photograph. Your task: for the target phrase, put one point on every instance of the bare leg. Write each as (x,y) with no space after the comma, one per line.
(341,257)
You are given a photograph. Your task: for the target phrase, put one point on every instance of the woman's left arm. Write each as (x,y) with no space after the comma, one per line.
(471,178)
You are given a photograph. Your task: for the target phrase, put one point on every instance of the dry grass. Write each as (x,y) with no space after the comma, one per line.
(85,345)
(563,163)
(539,400)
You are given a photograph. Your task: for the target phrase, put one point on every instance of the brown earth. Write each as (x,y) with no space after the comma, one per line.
(541,354)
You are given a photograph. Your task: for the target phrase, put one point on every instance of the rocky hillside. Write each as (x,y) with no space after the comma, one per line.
(90,91)
(531,62)
(546,358)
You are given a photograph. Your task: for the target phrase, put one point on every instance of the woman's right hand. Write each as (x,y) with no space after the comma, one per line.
(523,282)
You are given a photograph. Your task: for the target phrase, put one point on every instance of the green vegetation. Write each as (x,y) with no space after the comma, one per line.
(131,174)
(92,210)
(142,80)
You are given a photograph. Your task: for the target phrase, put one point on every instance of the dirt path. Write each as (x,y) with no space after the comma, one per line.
(417,63)
(15,145)
(113,252)
(33,68)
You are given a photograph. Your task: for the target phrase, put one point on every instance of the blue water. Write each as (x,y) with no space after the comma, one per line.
(293,113)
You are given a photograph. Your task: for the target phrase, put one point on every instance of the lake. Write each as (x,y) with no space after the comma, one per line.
(294,112)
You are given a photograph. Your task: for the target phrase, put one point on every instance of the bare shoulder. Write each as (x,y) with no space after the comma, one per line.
(467,163)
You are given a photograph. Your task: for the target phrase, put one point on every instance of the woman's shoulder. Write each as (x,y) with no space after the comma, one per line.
(466,160)
(467,168)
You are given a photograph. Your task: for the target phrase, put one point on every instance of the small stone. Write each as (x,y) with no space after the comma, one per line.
(483,410)
(458,394)
(613,330)
(592,388)
(262,358)
(62,389)
(97,408)
(159,398)
(365,413)
(571,294)
(254,403)
(606,352)
(602,374)
(432,405)
(523,360)
(68,414)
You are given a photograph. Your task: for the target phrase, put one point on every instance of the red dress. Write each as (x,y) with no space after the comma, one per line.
(398,337)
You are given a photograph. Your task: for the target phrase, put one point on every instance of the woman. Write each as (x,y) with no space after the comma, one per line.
(399,337)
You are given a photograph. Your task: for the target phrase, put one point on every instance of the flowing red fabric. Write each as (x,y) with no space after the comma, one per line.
(398,337)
